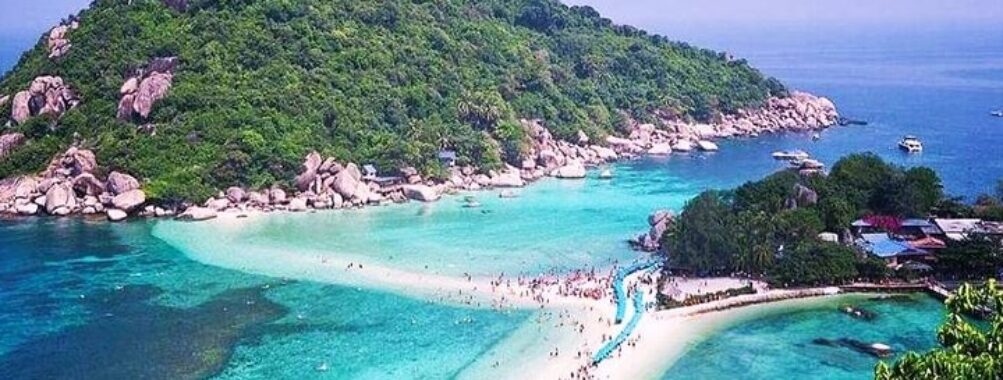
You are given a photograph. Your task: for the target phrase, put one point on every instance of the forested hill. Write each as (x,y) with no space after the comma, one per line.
(258,83)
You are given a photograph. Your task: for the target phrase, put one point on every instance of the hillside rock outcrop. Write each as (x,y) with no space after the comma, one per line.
(147,86)
(659,221)
(70,185)
(46,95)
(799,111)
(59,40)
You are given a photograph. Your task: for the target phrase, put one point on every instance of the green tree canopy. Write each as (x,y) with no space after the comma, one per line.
(262,82)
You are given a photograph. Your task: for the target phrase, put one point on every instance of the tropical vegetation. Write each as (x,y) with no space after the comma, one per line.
(770,227)
(391,82)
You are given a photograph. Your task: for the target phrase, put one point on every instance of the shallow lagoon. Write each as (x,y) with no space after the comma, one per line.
(777,343)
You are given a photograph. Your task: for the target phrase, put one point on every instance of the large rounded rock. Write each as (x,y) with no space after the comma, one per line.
(346,183)
(573,170)
(421,193)
(60,199)
(26,208)
(277,196)
(88,184)
(660,149)
(258,199)
(197,213)
(297,204)
(116,215)
(805,196)
(20,110)
(80,161)
(235,194)
(549,159)
(129,200)
(604,153)
(26,187)
(507,179)
(353,170)
(153,88)
(218,204)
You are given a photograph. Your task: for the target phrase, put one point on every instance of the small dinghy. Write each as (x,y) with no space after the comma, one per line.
(792,155)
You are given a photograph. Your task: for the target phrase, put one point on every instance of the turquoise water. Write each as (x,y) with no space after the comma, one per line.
(553,226)
(95,300)
(777,344)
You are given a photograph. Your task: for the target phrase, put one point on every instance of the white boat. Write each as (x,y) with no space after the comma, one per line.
(997,113)
(792,155)
(911,144)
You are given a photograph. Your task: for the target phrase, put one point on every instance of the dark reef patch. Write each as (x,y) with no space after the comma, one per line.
(131,338)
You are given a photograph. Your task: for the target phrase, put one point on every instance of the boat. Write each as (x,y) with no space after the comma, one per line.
(844,121)
(816,136)
(998,113)
(792,155)
(911,144)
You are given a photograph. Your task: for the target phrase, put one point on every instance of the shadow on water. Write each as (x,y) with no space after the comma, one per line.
(131,338)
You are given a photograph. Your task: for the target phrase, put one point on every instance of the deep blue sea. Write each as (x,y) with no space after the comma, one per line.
(165,300)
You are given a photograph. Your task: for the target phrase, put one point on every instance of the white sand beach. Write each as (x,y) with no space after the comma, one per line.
(573,314)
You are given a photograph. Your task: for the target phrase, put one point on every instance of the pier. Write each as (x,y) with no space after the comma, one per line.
(934,288)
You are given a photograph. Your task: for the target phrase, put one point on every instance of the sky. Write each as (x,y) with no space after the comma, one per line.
(746,13)
(27,17)
(711,23)
(22,18)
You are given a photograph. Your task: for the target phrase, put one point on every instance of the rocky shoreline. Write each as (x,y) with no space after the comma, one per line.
(71,184)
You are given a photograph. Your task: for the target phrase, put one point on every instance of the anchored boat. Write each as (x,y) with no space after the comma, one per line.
(792,155)
(911,144)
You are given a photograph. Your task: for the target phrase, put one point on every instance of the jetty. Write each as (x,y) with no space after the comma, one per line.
(934,288)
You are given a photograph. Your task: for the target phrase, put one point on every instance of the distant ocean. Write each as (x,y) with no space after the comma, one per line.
(11,48)
(939,84)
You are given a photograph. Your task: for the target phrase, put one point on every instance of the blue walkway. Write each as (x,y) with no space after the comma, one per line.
(621,308)
(612,345)
(618,291)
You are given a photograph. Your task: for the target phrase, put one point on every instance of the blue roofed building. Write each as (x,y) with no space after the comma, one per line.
(892,251)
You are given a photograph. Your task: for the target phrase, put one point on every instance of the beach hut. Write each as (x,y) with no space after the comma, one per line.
(447,158)
(957,229)
(369,172)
